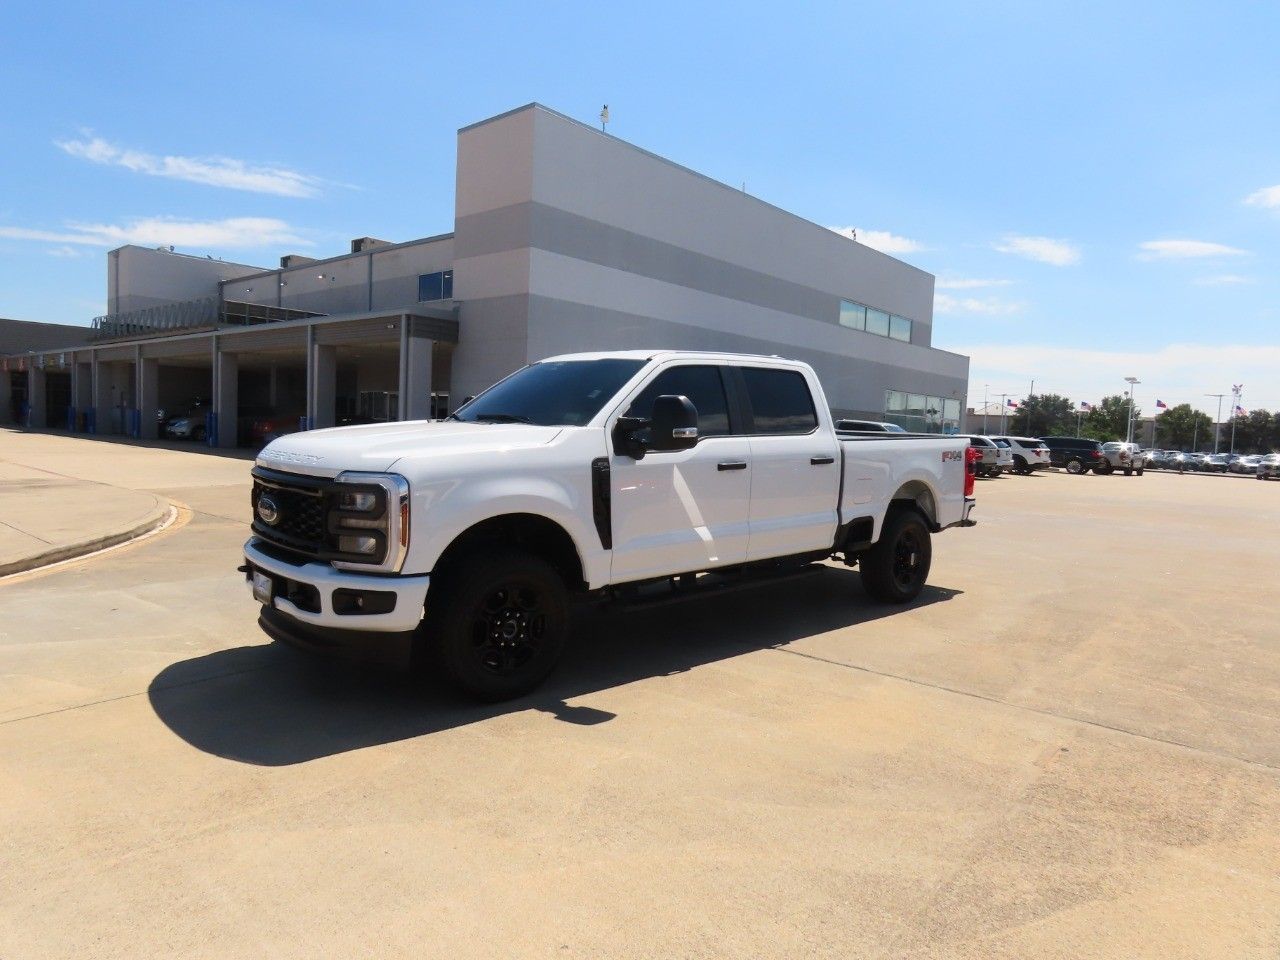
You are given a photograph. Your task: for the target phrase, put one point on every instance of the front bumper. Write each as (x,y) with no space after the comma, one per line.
(301,578)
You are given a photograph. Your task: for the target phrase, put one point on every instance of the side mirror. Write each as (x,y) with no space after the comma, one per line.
(674,424)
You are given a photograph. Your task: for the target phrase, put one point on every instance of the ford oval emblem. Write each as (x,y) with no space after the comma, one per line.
(268,512)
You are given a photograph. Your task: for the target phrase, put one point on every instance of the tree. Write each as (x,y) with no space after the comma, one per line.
(1253,433)
(1109,420)
(1181,426)
(1046,415)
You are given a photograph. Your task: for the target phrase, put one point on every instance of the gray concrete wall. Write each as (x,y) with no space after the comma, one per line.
(381,278)
(140,277)
(568,239)
(19,336)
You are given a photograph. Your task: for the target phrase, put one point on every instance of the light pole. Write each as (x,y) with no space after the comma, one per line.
(1236,390)
(1132,382)
(1218,421)
(985,388)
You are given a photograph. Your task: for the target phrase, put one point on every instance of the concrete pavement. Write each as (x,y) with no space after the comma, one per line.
(1070,747)
(47,516)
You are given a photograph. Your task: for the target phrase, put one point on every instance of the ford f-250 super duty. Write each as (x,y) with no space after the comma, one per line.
(461,543)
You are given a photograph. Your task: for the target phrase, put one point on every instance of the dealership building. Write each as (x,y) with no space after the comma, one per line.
(564,239)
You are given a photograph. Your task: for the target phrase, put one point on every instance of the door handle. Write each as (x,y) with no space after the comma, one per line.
(732,465)
(819,461)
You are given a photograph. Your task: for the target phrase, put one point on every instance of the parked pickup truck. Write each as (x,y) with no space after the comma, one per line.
(460,544)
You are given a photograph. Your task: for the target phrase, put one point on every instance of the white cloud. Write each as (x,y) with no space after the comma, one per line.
(1177,373)
(1266,197)
(968,283)
(234,233)
(880,240)
(944,303)
(1185,250)
(1057,253)
(64,251)
(1222,279)
(211,171)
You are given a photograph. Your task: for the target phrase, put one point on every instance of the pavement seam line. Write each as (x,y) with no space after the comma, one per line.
(1039,711)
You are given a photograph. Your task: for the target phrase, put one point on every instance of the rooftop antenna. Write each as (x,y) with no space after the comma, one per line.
(604,116)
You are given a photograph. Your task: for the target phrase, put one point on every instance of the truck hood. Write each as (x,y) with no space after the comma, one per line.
(376,447)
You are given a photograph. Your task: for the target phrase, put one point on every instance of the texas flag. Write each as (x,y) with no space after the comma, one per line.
(1013,403)
(1161,405)
(1085,405)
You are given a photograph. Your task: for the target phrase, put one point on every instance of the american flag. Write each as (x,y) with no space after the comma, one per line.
(1161,405)
(1241,411)
(1085,405)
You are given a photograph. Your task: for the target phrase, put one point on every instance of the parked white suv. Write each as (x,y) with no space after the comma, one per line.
(1029,454)
(603,474)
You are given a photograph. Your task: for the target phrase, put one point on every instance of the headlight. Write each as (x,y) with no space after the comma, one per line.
(368,519)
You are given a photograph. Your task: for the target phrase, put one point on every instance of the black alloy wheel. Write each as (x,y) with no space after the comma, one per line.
(896,567)
(508,628)
(496,623)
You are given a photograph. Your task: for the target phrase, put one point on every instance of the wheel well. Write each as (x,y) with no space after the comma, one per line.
(530,532)
(916,495)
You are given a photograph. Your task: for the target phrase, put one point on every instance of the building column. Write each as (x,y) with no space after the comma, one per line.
(322,384)
(37,398)
(82,391)
(101,418)
(226,398)
(6,392)
(148,395)
(415,375)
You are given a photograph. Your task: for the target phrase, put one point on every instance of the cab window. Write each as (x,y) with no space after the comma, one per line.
(780,401)
(703,386)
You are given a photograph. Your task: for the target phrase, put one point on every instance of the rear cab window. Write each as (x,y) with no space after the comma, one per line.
(779,400)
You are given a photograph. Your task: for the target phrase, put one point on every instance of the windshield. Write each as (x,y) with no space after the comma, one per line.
(561,393)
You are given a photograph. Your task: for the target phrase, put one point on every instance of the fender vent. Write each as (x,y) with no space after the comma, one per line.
(601,503)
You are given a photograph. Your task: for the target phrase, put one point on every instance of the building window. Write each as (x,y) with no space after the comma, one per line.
(853,315)
(877,322)
(435,286)
(919,413)
(857,316)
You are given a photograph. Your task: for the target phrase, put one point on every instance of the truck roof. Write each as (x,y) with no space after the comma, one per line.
(656,354)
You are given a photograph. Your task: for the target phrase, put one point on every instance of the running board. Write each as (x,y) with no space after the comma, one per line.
(662,593)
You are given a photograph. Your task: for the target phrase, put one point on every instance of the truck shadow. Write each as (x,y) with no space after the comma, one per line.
(272,706)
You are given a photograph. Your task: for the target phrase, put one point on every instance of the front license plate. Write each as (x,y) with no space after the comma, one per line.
(261,587)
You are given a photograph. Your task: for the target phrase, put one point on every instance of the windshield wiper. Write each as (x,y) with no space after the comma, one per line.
(501,418)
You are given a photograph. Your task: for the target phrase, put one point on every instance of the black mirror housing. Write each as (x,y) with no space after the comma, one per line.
(674,424)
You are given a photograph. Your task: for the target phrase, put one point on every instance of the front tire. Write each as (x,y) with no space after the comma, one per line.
(1075,466)
(497,625)
(1128,473)
(1139,470)
(896,567)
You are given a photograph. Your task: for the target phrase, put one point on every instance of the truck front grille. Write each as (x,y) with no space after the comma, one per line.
(296,512)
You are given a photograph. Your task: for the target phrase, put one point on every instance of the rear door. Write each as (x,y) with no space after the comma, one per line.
(795,464)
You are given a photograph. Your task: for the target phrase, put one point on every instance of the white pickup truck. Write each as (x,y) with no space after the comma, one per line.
(460,543)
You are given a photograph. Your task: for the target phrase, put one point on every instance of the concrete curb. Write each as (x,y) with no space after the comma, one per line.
(160,517)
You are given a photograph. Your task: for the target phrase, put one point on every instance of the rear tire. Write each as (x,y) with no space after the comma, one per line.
(1139,470)
(896,567)
(499,625)
(1075,466)
(1128,473)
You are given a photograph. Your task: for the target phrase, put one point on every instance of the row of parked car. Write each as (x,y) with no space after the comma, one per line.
(1082,455)
(1262,465)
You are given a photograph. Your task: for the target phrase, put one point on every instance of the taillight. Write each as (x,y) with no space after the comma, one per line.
(971,457)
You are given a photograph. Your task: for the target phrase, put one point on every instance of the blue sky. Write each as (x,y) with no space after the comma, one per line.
(1097,189)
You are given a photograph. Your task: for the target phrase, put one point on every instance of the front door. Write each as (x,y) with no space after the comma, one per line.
(684,510)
